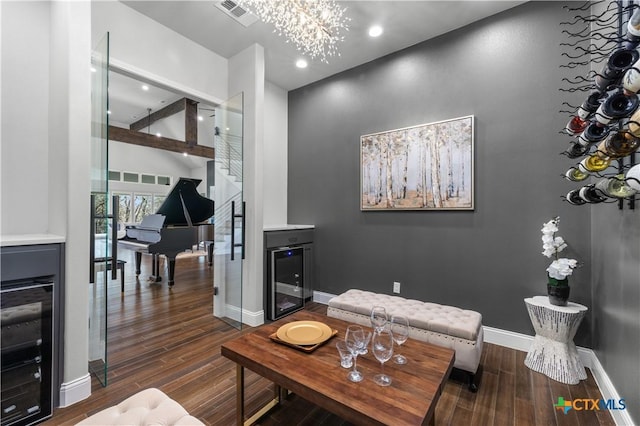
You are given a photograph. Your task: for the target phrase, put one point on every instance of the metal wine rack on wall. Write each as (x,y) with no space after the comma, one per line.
(605,129)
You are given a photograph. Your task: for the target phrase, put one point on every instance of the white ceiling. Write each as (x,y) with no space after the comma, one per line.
(128,102)
(405,23)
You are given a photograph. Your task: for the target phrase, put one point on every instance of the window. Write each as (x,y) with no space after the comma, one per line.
(124,207)
(130,177)
(157,201)
(100,213)
(142,206)
(164,180)
(148,179)
(114,175)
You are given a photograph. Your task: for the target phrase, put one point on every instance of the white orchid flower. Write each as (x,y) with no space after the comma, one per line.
(560,268)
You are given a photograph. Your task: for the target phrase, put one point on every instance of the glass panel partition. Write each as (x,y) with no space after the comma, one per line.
(100,223)
(229,213)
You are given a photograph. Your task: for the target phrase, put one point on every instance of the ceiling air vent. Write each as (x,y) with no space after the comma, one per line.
(236,12)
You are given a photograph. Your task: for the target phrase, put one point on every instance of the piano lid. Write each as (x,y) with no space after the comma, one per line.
(184,200)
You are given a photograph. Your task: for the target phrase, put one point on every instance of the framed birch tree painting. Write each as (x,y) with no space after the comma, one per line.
(423,167)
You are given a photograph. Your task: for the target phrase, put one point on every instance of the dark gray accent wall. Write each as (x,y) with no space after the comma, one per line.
(616,298)
(505,71)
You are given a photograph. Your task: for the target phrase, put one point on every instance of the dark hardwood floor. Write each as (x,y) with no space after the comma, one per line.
(168,339)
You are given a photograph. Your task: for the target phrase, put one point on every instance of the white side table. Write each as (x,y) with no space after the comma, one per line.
(553,352)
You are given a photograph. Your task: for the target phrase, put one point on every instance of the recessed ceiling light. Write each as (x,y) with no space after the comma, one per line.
(159,134)
(375,31)
(93,69)
(200,118)
(145,87)
(108,111)
(301,63)
(185,154)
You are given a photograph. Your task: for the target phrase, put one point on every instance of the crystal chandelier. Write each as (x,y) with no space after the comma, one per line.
(314,26)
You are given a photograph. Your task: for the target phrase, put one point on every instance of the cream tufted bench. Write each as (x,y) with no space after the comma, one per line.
(455,328)
(147,407)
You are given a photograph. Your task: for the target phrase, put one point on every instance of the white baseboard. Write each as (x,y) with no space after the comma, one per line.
(522,342)
(250,318)
(608,391)
(253,319)
(321,297)
(75,390)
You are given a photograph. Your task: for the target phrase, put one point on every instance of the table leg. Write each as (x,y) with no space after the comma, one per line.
(239,395)
(240,421)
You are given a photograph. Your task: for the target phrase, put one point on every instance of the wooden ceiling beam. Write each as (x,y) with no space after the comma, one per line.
(191,122)
(151,141)
(165,112)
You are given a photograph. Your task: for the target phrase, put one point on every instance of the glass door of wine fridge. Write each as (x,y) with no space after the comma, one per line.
(286,282)
(27,351)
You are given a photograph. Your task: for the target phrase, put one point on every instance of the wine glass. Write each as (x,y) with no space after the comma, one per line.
(354,338)
(378,317)
(400,332)
(382,348)
(365,343)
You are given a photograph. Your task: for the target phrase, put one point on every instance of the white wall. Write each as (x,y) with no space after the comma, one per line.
(275,155)
(25,134)
(45,155)
(126,157)
(142,43)
(133,158)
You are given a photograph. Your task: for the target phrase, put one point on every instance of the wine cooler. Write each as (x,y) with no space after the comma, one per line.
(286,281)
(27,350)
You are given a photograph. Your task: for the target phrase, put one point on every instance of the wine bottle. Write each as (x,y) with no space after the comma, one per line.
(631,79)
(633,124)
(633,26)
(576,125)
(590,195)
(575,174)
(602,81)
(594,133)
(573,197)
(594,163)
(633,177)
(619,61)
(591,104)
(615,187)
(618,145)
(616,106)
(576,150)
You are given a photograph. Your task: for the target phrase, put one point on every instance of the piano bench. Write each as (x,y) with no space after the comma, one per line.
(119,265)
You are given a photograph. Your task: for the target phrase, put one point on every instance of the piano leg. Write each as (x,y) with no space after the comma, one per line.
(172,269)
(138,262)
(155,268)
(210,253)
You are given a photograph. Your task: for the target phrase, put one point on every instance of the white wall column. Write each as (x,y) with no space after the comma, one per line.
(275,155)
(70,134)
(246,74)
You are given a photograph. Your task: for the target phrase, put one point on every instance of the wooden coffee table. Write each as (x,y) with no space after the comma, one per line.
(317,377)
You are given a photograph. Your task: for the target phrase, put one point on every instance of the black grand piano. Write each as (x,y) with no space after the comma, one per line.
(174,228)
